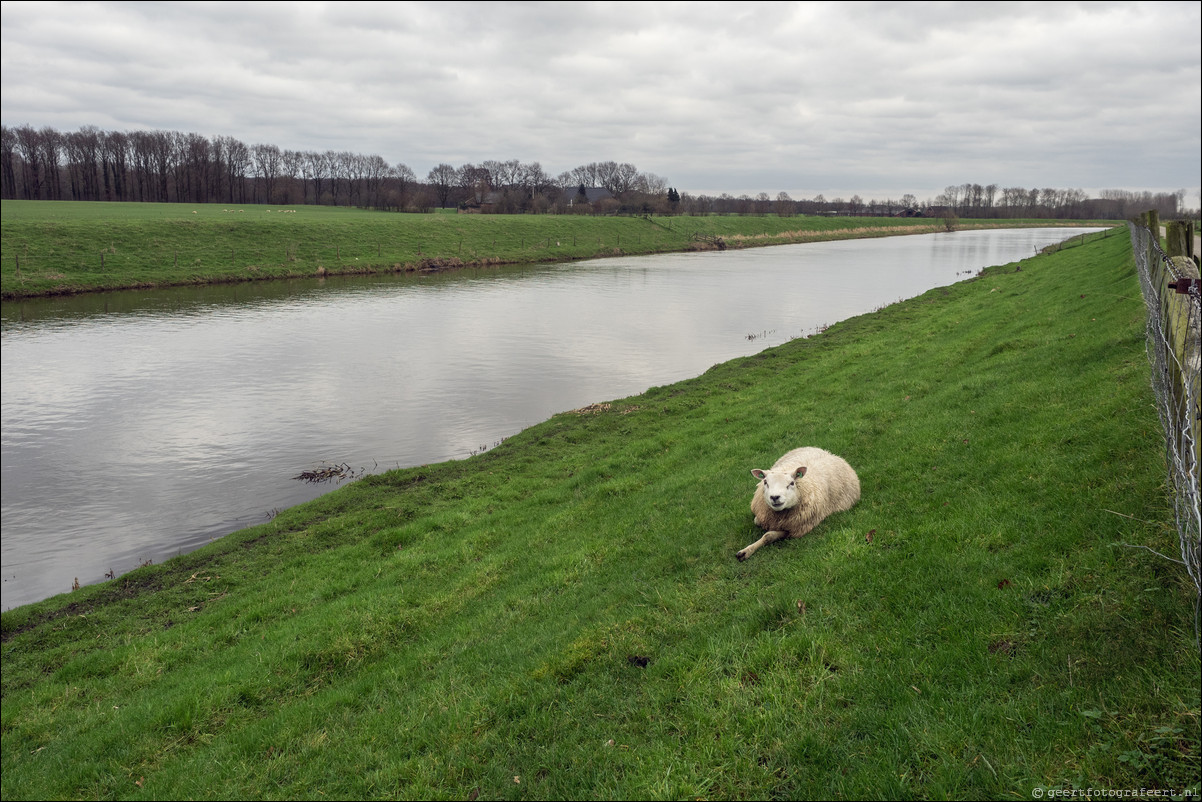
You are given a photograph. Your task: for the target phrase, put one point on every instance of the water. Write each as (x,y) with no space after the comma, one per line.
(140,425)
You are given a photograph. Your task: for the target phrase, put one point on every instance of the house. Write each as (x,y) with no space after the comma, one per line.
(590,195)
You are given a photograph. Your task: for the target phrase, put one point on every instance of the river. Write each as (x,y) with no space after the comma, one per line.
(140,425)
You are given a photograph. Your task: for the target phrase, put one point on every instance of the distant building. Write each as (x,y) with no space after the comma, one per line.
(591,195)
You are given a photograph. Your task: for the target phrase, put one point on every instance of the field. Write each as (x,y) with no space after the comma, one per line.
(58,247)
(563,617)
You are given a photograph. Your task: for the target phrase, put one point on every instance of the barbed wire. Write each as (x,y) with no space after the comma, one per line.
(1174,351)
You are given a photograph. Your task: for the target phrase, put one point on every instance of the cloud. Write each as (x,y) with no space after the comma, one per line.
(715,97)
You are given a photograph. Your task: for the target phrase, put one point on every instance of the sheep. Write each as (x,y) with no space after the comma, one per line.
(787,505)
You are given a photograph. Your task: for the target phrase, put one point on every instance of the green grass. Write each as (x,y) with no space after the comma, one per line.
(58,247)
(563,616)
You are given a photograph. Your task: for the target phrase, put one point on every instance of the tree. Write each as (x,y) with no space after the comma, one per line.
(475,181)
(785,207)
(82,149)
(402,181)
(291,170)
(237,165)
(31,176)
(268,161)
(316,169)
(375,170)
(441,179)
(50,144)
(8,152)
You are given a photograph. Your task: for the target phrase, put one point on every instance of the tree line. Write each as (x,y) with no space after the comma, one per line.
(92,164)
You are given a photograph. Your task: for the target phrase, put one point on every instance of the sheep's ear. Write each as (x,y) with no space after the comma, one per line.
(800,473)
(757,473)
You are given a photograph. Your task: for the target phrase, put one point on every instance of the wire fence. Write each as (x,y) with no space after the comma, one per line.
(1172,294)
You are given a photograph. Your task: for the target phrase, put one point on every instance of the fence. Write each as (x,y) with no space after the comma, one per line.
(1172,294)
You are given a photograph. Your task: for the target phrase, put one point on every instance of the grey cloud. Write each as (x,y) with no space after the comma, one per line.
(708,95)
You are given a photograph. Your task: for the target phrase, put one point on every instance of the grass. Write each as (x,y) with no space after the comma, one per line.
(563,616)
(61,247)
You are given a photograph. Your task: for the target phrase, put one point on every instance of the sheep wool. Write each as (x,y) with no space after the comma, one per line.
(798,492)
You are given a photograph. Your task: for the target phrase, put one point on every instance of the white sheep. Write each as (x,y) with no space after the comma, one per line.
(794,495)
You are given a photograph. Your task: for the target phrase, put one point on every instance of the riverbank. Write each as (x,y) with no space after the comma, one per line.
(562,616)
(55,248)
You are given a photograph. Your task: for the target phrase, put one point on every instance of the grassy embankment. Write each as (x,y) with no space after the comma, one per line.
(563,616)
(52,247)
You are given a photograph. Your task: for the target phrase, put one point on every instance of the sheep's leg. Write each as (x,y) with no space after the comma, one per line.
(769,537)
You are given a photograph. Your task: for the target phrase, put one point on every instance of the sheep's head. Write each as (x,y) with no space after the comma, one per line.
(780,487)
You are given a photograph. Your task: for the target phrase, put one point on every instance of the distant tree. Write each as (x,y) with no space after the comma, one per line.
(475,181)
(785,205)
(8,152)
(82,149)
(402,182)
(292,171)
(441,179)
(237,166)
(50,144)
(27,149)
(268,160)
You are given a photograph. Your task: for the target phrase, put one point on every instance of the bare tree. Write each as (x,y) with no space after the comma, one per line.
(403,180)
(82,149)
(475,181)
(334,175)
(315,169)
(375,170)
(27,149)
(8,152)
(267,160)
(353,171)
(50,144)
(237,166)
(291,172)
(785,205)
(441,179)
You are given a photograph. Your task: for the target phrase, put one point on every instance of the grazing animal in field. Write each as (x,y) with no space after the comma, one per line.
(794,495)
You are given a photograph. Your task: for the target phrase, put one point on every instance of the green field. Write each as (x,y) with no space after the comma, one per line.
(57,247)
(563,616)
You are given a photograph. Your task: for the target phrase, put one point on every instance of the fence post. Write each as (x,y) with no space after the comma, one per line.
(1177,234)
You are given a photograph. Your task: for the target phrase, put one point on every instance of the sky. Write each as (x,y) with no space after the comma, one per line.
(874,99)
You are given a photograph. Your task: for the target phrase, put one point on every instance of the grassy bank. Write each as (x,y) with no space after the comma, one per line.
(59,247)
(563,616)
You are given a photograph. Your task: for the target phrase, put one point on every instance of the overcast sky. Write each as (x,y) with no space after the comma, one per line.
(878,99)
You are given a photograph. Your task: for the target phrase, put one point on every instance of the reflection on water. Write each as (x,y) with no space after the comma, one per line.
(139,425)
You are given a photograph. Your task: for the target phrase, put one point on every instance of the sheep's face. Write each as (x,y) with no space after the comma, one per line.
(780,487)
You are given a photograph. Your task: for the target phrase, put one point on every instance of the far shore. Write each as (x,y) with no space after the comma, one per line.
(64,248)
